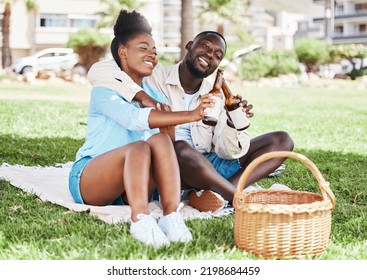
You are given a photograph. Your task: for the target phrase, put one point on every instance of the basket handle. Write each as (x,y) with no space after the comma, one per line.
(323,185)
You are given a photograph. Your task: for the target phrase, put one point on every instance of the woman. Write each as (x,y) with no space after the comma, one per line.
(119,163)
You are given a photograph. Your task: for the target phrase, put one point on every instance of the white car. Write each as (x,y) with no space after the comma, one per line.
(47,59)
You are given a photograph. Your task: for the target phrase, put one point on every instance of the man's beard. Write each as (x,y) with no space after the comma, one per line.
(195,71)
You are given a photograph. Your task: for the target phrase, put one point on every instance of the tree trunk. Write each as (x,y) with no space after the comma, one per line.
(187,28)
(6,57)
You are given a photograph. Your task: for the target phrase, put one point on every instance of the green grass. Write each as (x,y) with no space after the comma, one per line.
(45,125)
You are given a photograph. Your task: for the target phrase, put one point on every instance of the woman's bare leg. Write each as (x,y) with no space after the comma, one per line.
(165,170)
(120,171)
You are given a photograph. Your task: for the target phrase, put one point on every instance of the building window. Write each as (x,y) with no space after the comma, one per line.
(67,21)
(362,29)
(82,22)
(338,31)
(361,8)
(53,20)
(339,10)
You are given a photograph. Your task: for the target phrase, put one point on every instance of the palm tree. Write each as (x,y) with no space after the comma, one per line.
(110,13)
(222,11)
(187,28)
(6,56)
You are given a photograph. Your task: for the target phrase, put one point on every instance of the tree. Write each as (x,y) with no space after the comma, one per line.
(312,53)
(187,28)
(222,11)
(6,56)
(109,14)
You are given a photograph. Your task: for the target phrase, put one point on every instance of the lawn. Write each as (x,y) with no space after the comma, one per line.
(44,124)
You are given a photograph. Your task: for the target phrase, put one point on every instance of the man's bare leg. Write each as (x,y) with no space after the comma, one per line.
(197,171)
(269,142)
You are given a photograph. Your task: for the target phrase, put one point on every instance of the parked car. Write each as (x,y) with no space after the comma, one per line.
(47,59)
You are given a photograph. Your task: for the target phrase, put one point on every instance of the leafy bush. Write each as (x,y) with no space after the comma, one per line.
(268,64)
(256,65)
(352,52)
(86,37)
(311,52)
(285,62)
(90,45)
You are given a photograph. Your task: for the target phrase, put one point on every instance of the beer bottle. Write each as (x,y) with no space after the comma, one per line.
(213,113)
(232,103)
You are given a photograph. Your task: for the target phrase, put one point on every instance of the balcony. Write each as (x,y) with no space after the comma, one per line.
(340,16)
(353,38)
(361,14)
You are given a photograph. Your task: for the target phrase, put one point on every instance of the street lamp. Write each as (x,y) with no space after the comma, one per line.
(329,21)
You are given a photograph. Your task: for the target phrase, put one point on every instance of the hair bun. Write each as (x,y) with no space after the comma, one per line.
(130,21)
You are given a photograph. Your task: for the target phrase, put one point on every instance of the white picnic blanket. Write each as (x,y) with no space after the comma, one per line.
(51,184)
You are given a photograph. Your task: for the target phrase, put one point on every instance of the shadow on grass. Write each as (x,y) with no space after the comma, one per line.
(37,151)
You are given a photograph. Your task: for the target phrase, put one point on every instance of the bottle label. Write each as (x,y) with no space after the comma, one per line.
(239,118)
(215,111)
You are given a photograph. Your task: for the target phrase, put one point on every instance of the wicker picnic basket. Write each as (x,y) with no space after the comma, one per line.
(283,224)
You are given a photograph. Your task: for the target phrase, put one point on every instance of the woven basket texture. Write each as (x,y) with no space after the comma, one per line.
(282,224)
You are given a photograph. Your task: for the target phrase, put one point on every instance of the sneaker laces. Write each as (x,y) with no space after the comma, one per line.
(176,219)
(149,225)
(177,225)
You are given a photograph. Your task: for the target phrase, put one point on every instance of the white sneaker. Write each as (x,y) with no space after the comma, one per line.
(147,231)
(174,227)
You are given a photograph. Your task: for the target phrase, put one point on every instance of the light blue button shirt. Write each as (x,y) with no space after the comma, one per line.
(114,122)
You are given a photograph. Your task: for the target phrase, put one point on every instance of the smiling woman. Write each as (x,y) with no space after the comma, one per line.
(124,157)
(138,57)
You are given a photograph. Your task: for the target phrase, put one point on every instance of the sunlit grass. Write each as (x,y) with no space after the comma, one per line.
(45,124)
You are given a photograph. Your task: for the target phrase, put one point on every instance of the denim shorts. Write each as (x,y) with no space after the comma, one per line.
(225,167)
(74,181)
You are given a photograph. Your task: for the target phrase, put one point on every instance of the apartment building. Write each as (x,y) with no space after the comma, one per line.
(344,21)
(272,29)
(54,20)
(277,24)
(50,25)
(272,23)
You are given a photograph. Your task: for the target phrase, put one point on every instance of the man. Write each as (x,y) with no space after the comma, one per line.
(210,157)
